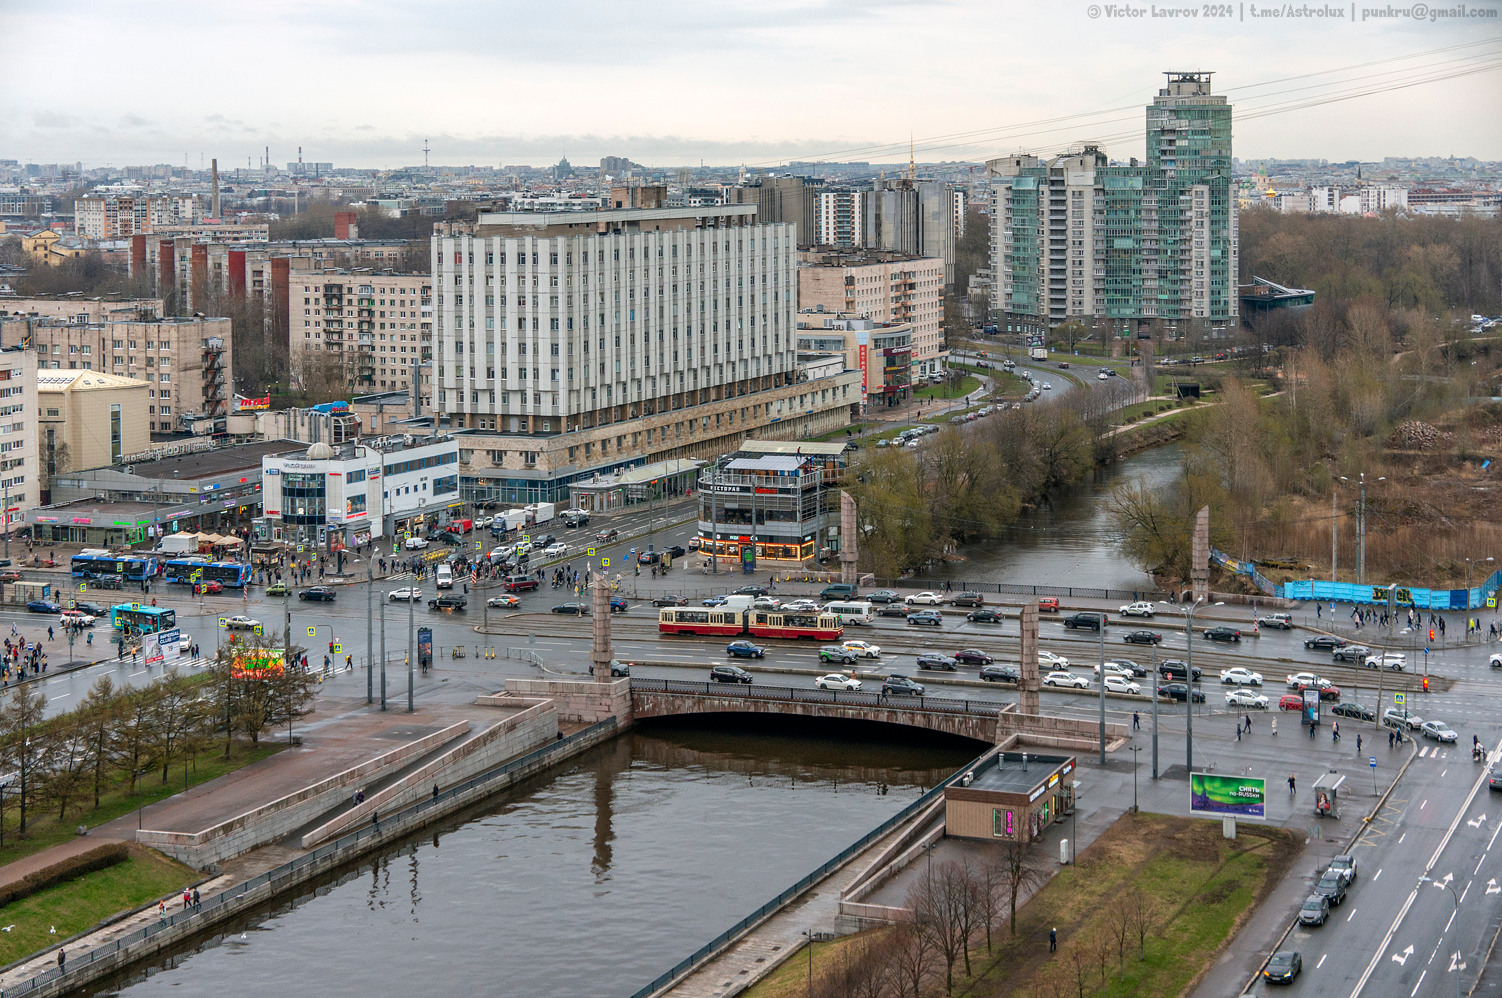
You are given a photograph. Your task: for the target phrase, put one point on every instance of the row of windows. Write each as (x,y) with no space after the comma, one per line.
(417,464)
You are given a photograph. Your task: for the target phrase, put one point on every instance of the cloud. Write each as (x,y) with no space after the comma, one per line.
(54,119)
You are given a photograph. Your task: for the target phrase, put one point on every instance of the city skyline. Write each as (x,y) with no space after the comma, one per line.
(496,84)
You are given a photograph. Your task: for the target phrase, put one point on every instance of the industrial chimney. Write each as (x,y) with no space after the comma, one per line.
(214,166)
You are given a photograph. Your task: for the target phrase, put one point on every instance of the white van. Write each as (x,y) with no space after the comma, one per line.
(444,577)
(850,613)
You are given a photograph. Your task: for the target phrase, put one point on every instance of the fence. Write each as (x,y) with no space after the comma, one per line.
(719,942)
(1068,592)
(791,694)
(348,847)
(1247,568)
(1404,596)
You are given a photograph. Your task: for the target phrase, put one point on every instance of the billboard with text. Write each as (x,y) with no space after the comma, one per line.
(1228,796)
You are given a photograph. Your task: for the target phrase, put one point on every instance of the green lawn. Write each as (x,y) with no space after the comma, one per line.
(965,387)
(81,903)
(43,828)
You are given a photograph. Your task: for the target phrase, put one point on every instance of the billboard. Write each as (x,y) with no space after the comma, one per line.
(425,648)
(151,652)
(1227,796)
(257,663)
(1311,705)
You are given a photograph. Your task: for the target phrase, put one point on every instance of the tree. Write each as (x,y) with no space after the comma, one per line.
(21,745)
(941,902)
(99,714)
(913,958)
(1138,914)
(1015,876)
(258,692)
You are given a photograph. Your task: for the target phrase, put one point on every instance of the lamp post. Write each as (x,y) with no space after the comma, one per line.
(1361,526)
(1189,612)
(383,650)
(1102,633)
(1154,685)
(1458,965)
(411,651)
(1135,749)
(370,561)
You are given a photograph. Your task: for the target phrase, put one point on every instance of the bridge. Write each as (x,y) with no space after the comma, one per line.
(975,719)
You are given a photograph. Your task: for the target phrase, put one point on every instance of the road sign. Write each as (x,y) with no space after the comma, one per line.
(259,629)
(83,587)
(1491,602)
(604,562)
(224,622)
(339,648)
(313,632)
(591,552)
(1399,699)
(1371,761)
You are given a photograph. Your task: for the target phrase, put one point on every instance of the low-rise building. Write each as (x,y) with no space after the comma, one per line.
(48,248)
(88,419)
(881,351)
(771,507)
(1011,795)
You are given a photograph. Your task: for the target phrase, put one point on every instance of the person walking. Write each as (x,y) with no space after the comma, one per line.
(1390,734)
(62,959)
(1358,743)
(1275,727)
(1335,731)
(1238,729)
(1053,939)
(1292,787)
(1136,721)
(1249,724)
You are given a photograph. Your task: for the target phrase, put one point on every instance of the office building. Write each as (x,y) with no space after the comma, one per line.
(1074,237)
(782,200)
(88,419)
(886,288)
(881,351)
(914,217)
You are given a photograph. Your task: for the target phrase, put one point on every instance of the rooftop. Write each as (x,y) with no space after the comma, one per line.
(207,464)
(58,381)
(807,448)
(1011,775)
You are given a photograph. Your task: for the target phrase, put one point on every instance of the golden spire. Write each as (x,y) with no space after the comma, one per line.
(912,165)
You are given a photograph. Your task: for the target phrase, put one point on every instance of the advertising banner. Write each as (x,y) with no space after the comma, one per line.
(259,663)
(169,645)
(1227,796)
(151,651)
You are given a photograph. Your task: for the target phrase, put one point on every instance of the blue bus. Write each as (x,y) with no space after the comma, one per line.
(136,618)
(130,568)
(231,575)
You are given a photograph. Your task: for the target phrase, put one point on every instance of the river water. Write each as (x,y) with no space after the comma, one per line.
(1070,541)
(589,881)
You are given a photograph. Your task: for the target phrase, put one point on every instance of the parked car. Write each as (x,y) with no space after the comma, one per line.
(1325,642)
(972,656)
(901,684)
(453,604)
(730,674)
(1332,887)
(1282,967)
(1240,676)
(930,617)
(1222,634)
(1246,698)
(925,598)
(1351,653)
(985,616)
(1141,608)
(1178,691)
(670,600)
(1086,620)
(503,602)
(1353,710)
(415,543)
(745,649)
(675,550)
(838,681)
(1315,910)
(1439,731)
(1345,866)
(864,649)
(1066,679)
(1120,684)
(1000,674)
(968,599)
(837,653)
(577,609)
(1142,638)
(405,593)
(934,661)
(318,594)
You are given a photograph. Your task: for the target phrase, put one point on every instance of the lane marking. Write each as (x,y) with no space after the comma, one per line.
(1416,986)
(1322,958)
(1402,837)
(1426,801)
(1351,915)
(59,697)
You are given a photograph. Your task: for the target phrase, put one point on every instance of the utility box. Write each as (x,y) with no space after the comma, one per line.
(1063,852)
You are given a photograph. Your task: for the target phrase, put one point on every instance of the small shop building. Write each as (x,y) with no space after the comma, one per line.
(1011,795)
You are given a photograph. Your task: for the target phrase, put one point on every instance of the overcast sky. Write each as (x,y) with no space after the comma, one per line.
(674,82)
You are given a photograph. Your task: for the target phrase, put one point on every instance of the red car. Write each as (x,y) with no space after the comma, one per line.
(213,587)
(10,576)
(520,584)
(1048,605)
(1291,701)
(1326,692)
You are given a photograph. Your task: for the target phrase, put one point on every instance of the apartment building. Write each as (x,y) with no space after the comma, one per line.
(75,307)
(20,482)
(120,216)
(185,362)
(1076,237)
(915,217)
(884,287)
(378,324)
(839,218)
(570,343)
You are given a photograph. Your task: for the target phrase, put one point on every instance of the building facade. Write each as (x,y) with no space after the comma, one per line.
(87,419)
(881,351)
(120,216)
(1074,237)
(886,288)
(376,326)
(839,218)
(76,308)
(20,480)
(768,507)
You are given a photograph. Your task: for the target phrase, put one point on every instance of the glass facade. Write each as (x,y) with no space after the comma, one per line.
(304,498)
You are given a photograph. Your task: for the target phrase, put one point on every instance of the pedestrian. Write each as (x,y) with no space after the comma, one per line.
(1390,733)
(1275,727)
(1319,611)
(1358,743)
(375,820)
(197,899)
(161,909)
(1249,724)
(1053,939)
(1292,788)
(1311,730)
(1238,729)
(187,898)
(62,958)
(1335,731)
(1136,721)
(435,791)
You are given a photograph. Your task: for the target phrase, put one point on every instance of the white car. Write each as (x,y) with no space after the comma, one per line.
(240,622)
(1114,669)
(415,543)
(1103,376)
(837,681)
(931,599)
(574,511)
(1392,661)
(865,649)
(1066,679)
(1246,698)
(1049,660)
(1241,677)
(555,549)
(1120,684)
(501,553)
(78,618)
(801,604)
(1299,680)
(1439,731)
(1495,661)
(522,547)
(1139,609)
(184,641)
(411,593)
(1047,387)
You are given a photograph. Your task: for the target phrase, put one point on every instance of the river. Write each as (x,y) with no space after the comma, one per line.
(588,881)
(1070,541)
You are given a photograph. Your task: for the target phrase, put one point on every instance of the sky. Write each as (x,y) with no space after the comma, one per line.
(679,82)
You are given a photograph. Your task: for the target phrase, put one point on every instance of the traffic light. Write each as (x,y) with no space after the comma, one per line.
(331,647)
(1426,684)
(1431,634)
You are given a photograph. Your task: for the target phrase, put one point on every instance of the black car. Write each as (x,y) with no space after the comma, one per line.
(1222,634)
(447,603)
(675,550)
(102,581)
(1174,669)
(576,521)
(893,610)
(972,656)
(1000,674)
(1283,967)
(1137,670)
(933,660)
(1332,887)
(673,600)
(901,684)
(968,599)
(730,674)
(931,617)
(1177,691)
(752,591)
(984,616)
(1354,710)
(1088,621)
(1325,642)
(577,609)
(92,608)
(619,668)
(319,594)
(1142,637)
(883,596)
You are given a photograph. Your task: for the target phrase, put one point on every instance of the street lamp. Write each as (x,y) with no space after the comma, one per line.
(1457,965)
(1361,526)
(1135,749)
(1189,612)
(370,560)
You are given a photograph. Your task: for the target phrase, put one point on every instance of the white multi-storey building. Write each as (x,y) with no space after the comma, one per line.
(20,483)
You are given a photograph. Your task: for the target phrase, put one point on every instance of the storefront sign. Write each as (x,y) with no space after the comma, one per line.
(251,405)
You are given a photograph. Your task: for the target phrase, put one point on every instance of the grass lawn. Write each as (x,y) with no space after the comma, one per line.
(1197,888)
(1141,410)
(82,903)
(965,387)
(791,979)
(44,830)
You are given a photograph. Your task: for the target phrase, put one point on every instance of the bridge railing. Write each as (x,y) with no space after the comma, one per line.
(793,694)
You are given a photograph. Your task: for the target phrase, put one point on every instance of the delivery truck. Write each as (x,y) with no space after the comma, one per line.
(542,512)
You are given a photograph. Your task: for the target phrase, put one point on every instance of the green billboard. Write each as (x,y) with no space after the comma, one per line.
(1228,796)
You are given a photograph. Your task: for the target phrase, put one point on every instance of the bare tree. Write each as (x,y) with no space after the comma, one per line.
(913,958)
(938,900)
(1016,877)
(1079,965)
(1119,924)
(1138,912)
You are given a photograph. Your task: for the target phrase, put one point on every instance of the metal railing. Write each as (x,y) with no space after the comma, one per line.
(719,942)
(394,826)
(792,694)
(1067,592)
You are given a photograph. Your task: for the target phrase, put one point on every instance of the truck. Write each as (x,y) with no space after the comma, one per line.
(461,526)
(1038,353)
(512,519)
(542,512)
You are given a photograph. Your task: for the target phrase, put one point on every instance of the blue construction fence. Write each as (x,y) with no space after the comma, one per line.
(1350,592)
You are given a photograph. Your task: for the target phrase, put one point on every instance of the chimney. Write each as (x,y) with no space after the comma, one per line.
(346,225)
(214,168)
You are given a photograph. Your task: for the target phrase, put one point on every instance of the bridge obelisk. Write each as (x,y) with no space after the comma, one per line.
(600,653)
